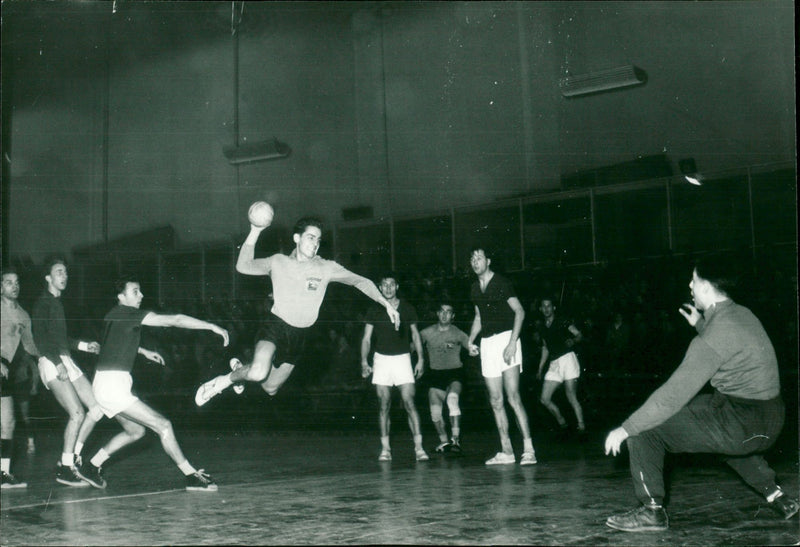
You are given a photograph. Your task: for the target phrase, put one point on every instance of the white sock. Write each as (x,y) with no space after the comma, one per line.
(456,433)
(417,441)
(187,468)
(100,458)
(775,495)
(5,465)
(78,448)
(385,443)
(67,459)
(527,445)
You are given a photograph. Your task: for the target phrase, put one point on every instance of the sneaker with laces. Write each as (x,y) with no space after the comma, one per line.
(200,481)
(68,476)
(455,446)
(642,519)
(236,364)
(501,458)
(421,455)
(385,456)
(8,481)
(786,506)
(210,389)
(78,461)
(528,458)
(91,474)
(443,447)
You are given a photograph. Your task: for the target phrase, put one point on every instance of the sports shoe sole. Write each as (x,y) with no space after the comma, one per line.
(100,485)
(13,486)
(209,488)
(75,484)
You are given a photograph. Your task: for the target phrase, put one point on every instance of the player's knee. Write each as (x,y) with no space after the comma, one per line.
(136,431)
(77,414)
(95,413)
(496,401)
(436,412)
(452,405)
(165,429)
(258,372)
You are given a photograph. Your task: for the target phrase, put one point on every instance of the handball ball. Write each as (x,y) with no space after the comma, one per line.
(260,214)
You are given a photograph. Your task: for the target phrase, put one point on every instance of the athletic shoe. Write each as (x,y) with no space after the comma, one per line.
(455,446)
(443,447)
(642,519)
(236,364)
(386,456)
(785,505)
(68,476)
(78,461)
(200,481)
(209,390)
(7,481)
(421,455)
(528,458)
(91,474)
(501,458)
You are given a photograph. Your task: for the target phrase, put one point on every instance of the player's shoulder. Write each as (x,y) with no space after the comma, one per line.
(428,331)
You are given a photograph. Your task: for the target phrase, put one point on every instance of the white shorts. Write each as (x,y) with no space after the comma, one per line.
(112,389)
(392,370)
(492,363)
(48,371)
(564,368)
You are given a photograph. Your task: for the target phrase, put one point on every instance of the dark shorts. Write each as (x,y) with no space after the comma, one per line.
(441,379)
(290,342)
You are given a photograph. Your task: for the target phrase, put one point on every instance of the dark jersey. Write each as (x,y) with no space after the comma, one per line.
(121,337)
(496,315)
(385,339)
(555,337)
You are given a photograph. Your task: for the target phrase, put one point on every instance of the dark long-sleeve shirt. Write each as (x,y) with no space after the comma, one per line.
(50,328)
(732,351)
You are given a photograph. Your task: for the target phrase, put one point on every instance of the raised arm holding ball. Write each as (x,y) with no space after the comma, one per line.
(299,282)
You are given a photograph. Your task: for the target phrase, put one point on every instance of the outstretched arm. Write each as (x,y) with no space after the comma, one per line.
(153,319)
(345,276)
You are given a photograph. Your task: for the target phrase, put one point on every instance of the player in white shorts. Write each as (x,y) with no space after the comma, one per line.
(112,383)
(558,340)
(498,319)
(391,363)
(61,375)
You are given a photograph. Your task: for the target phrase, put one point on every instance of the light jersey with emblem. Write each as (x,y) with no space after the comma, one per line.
(299,286)
(121,337)
(15,327)
(444,346)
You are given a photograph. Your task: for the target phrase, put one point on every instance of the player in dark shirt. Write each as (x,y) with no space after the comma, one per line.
(391,362)
(559,337)
(112,383)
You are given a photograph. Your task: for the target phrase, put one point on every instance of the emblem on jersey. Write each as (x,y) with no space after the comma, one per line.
(312,283)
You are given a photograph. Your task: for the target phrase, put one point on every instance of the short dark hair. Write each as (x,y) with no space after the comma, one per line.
(302,225)
(122,282)
(722,271)
(487,252)
(550,298)
(52,262)
(388,275)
